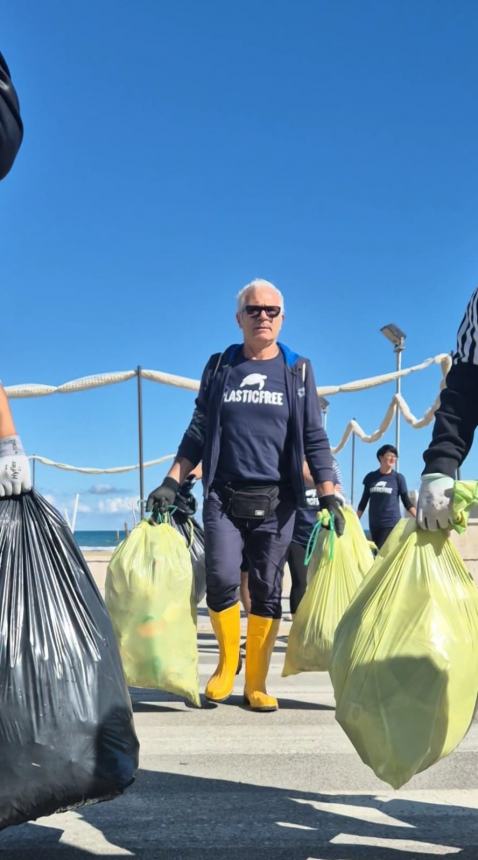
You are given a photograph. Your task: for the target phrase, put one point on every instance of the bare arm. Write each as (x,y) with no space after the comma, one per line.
(7,424)
(180,469)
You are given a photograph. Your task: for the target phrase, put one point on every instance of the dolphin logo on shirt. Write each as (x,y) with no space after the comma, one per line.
(254,379)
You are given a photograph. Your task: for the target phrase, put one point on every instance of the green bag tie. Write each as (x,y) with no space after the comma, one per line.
(324,520)
(191,533)
(158,518)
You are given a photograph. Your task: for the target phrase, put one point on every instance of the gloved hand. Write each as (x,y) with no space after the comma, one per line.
(434,508)
(332,504)
(163,496)
(14,467)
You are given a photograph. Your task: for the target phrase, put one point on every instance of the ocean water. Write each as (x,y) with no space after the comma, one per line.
(99,539)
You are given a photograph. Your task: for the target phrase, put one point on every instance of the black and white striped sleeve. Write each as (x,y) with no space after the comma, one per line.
(467,337)
(457,416)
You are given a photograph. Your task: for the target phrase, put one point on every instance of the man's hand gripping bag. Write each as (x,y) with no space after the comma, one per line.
(336,569)
(66,724)
(150,595)
(404,664)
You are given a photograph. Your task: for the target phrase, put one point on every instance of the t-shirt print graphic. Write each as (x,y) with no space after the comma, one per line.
(254,379)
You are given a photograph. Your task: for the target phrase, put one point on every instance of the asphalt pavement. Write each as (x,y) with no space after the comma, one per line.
(223,782)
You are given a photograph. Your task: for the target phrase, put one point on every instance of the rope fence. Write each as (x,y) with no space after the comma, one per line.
(353,428)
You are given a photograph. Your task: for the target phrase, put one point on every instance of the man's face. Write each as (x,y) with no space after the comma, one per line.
(260,328)
(388,460)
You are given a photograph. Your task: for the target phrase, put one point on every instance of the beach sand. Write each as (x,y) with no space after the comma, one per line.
(97,560)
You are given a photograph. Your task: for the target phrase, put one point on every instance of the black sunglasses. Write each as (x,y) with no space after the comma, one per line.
(255,311)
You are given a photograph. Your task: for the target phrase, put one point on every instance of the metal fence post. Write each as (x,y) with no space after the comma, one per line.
(140,440)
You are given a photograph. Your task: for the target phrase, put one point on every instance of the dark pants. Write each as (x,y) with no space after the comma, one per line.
(298,574)
(379,536)
(265,544)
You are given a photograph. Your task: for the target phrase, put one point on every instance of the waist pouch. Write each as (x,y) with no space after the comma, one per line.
(251,503)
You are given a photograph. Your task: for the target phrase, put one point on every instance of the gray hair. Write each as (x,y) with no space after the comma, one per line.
(257,282)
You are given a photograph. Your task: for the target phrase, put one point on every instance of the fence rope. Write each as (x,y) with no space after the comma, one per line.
(352,428)
(98,380)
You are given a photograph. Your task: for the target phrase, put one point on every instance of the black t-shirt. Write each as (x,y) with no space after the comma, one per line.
(384,493)
(254,423)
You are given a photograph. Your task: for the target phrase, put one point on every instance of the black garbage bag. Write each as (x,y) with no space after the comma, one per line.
(66,724)
(182,518)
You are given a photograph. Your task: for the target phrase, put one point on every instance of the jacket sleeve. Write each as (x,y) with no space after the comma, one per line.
(365,495)
(192,443)
(316,443)
(11,126)
(457,415)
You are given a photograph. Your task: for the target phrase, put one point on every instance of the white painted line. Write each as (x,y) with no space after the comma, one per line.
(362,813)
(396,844)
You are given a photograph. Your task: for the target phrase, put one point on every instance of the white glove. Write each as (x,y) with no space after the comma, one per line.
(434,508)
(14,467)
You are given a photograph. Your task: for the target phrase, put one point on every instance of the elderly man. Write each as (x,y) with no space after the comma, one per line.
(257,416)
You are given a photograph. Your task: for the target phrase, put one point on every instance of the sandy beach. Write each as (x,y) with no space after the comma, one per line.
(97,560)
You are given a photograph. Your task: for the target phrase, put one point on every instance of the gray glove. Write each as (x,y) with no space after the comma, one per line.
(434,508)
(14,467)
(163,496)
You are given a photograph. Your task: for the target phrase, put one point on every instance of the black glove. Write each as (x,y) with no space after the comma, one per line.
(332,504)
(163,496)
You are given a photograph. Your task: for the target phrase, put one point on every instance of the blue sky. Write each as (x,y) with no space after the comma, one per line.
(175,150)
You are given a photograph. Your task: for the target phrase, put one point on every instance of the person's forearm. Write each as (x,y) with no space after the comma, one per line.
(359,514)
(412,511)
(455,421)
(180,469)
(7,424)
(326,488)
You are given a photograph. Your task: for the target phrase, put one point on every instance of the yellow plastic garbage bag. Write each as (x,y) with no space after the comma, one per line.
(151,600)
(404,664)
(336,569)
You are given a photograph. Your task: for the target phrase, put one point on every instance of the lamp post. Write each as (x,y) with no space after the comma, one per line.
(396,336)
(324,408)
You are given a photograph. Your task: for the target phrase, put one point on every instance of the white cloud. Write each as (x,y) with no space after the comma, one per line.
(118,505)
(84,509)
(104,489)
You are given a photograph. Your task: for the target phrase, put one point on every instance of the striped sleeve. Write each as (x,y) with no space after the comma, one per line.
(337,473)
(466,345)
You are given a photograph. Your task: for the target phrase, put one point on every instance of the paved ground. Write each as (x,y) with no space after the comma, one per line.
(222,782)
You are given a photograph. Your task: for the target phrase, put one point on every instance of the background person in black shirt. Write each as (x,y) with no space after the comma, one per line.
(383,489)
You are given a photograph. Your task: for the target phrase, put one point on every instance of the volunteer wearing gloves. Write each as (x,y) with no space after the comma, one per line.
(14,465)
(257,416)
(455,423)
(384,488)
(11,127)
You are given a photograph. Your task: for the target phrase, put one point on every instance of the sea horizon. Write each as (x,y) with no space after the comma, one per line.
(99,538)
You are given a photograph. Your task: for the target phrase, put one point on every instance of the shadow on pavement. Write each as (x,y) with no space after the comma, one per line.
(174,816)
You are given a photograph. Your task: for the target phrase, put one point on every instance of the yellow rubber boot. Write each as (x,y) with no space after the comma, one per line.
(227,627)
(261,636)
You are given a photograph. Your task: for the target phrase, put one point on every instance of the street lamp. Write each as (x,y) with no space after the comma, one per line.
(324,407)
(396,336)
